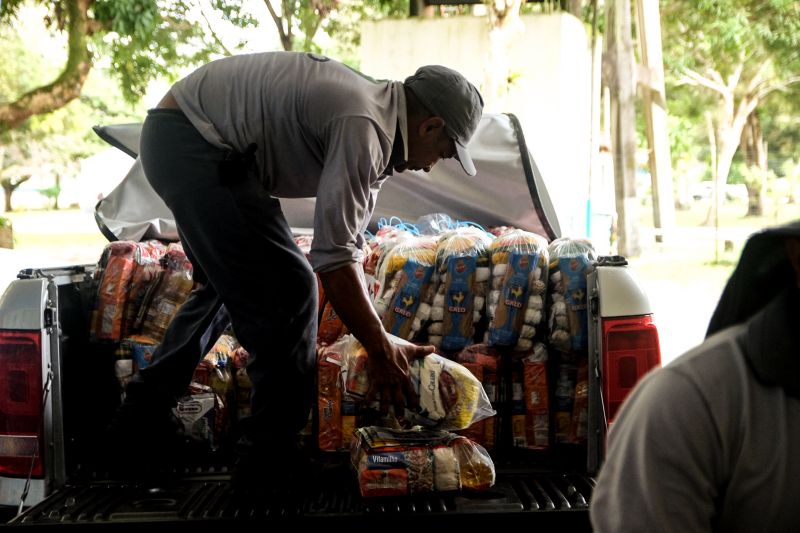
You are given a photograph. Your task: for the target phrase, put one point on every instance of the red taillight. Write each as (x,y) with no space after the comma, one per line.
(630,350)
(20,403)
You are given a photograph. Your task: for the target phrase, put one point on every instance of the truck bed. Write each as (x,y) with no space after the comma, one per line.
(541,500)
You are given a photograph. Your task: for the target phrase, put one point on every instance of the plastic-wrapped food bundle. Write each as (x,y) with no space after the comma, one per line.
(405,272)
(563,399)
(378,247)
(579,422)
(499,231)
(171,292)
(518,287)
(147,272)
(142,350)
(242,384)
(484,363)
(461,283)
(117,266)
(434,224)
(215,368)
(450,397)
(337,413)
(391,462)
(203,415)
(329,399)
(531,425)
(330,327)
(570,261)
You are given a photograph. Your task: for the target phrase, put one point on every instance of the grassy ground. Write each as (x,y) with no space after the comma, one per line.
(683,276)
(68,234)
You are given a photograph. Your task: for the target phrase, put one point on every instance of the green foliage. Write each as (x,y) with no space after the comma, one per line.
(338,22)
(51,144)
(29,62)
(699,34)
(754,39)
(51,193)
(781,128)
(344,24)
(148,39)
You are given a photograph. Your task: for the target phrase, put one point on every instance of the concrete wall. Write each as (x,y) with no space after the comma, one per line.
(551,95)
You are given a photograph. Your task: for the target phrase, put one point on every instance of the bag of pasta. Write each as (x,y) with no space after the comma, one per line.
(461,282)
(570,262)
(518,286)
(406,270)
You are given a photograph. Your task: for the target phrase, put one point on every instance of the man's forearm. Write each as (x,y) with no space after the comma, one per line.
(346,291)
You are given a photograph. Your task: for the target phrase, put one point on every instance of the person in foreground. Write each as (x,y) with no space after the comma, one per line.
(220,148)
(709,442)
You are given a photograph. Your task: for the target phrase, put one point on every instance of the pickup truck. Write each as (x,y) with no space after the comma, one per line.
(58,387)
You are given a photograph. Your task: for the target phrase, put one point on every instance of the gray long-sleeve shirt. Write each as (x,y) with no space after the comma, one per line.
(322,130)
(703,445)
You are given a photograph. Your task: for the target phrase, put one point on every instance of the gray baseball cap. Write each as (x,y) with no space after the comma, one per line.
(447,94)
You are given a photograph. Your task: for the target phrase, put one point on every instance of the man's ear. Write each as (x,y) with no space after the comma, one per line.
(793,252)
(430,125)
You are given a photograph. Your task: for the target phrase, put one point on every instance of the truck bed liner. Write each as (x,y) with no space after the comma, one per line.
(529,498)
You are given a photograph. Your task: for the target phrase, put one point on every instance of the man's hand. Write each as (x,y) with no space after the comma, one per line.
(387,363)
(389,378)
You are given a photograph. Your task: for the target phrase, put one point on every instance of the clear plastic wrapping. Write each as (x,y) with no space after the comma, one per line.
(517,289)
(450,397)
(484,363)
(170,293)
(117,267)
(533,431)
(405,272)
(570,261)
(391,462)
(379,246)
(147,272)
(461,283)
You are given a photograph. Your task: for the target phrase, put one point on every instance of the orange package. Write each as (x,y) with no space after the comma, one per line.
(488,359)
(537,410)
(330,326)
(112,293)
(329,401)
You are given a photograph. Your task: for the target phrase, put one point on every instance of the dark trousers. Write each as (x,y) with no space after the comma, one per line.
(244,256)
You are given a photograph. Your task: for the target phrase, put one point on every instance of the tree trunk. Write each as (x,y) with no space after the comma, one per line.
(755,157)
(58,191)
(727,149)
(712,145)
(69,83)
(654,105)
(8,189)
(619,76)
(7,192)
(283,22)
(572,7)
